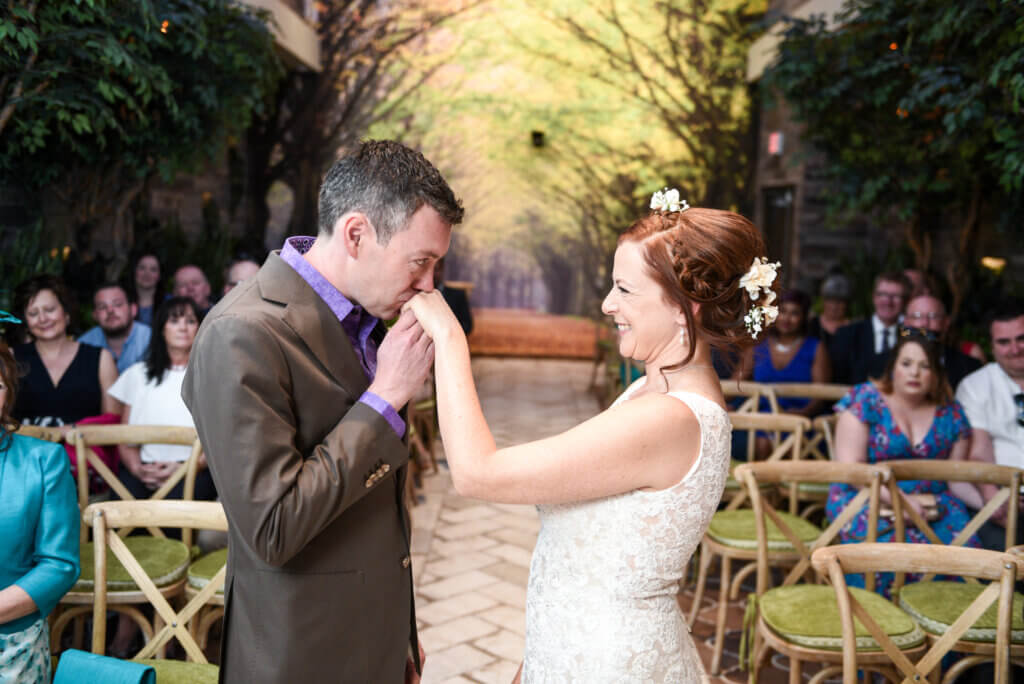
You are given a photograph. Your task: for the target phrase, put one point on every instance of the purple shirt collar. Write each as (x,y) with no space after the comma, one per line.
(357,323)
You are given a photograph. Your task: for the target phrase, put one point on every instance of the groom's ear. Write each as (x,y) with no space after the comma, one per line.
(354,229)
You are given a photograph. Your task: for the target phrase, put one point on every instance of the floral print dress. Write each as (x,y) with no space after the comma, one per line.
(886,442)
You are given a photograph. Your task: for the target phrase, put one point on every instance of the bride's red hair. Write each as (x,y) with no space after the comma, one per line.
(698,257)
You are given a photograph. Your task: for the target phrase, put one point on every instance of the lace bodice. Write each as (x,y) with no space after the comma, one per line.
(601,604)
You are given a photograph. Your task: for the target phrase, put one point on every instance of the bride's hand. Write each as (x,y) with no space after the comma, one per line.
(434,315)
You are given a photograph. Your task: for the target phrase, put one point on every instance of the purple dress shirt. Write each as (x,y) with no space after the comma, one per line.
(357,323)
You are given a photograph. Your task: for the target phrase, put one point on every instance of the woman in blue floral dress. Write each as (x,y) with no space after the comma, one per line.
(908,413)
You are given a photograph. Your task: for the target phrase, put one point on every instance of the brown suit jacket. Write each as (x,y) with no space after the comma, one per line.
(319,584)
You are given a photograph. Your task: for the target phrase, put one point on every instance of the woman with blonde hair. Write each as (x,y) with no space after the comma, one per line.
(624,497)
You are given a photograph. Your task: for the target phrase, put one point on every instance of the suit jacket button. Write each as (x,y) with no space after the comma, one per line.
(406,562)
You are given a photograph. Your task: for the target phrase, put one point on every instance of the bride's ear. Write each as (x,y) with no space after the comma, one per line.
(694,309)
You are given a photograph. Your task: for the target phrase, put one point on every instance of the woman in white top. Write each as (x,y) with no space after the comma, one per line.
(151,393)
(626,496)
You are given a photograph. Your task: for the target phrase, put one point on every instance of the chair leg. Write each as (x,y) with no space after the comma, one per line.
(723,607)
(211,617)
(795,671)
(78,633)
(702,577)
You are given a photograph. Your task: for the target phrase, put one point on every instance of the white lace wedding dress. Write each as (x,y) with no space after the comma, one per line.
(601,604)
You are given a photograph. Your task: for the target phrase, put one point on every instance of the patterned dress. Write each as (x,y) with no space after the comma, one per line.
(886,442)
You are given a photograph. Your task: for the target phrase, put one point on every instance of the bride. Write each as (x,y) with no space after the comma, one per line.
(624,497)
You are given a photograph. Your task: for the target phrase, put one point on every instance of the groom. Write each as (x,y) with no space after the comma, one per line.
(296,391)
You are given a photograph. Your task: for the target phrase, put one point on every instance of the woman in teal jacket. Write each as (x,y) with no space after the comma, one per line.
(39,526)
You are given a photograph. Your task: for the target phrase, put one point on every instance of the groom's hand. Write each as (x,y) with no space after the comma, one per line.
(403,360)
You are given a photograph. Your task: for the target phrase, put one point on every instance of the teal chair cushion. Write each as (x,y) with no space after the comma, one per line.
(808,615)
(738,529)
(202,571)
(181,672)
(164,560)
(937,605)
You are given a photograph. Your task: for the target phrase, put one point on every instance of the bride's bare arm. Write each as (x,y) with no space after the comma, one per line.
(648,442)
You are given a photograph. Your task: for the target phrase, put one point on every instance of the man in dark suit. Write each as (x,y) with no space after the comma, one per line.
(859,350)
(928,312)
(296,392)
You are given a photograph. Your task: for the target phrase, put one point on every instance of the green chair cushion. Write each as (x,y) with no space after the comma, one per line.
(937,605)
(737,529)
(181,672)
(202,571)
(808,615)
(165,560)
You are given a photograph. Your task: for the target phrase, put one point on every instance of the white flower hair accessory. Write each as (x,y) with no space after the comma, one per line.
(668,200)
(759,279)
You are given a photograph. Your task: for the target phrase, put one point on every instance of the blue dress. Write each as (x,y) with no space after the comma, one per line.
(886,442)
(39,524)
(797,370)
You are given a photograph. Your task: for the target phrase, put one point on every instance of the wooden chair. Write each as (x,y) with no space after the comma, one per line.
(820,444)
(106,517)
(752,393)
(85,436)
(789,435)
(930,602)
(200,573)
(997,600)
(162,555)
(730,535)
(49,434)
(825,428)
(1006,478)
(798,620)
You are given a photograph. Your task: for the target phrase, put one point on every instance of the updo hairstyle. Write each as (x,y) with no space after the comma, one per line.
(698,256)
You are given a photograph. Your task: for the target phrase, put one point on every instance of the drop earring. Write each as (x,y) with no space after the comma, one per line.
(682,335)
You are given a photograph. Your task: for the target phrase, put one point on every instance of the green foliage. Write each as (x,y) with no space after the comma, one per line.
(24,255)
(126,88)
(917,105)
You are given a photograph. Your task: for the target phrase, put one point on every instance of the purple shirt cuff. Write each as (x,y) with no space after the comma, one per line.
(385,409)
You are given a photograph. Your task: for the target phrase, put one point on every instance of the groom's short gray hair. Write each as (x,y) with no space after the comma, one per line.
(388,182)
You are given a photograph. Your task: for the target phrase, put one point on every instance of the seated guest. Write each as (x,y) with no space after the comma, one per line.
(860,350)
(147,286)
(190,281)
(835,303)
(38,539)
(151,393)
(237,271)
(66,381)
(118,332)
(908,413)
(927,312)
(921,283)
(993,397)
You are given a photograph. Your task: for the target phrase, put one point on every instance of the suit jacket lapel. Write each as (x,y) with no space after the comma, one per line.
(313,321)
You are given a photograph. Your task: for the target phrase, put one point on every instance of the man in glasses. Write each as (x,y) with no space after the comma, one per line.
(859,350)
(927,312)
(993,398)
